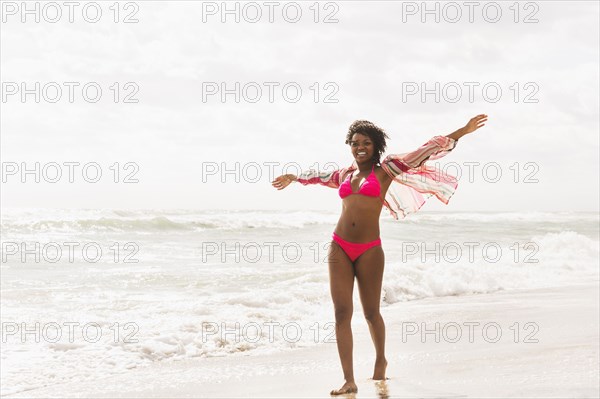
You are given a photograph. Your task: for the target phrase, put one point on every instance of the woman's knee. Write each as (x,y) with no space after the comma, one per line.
(373,316)
(343,314)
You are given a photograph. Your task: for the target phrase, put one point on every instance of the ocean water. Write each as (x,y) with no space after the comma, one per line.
(87,293)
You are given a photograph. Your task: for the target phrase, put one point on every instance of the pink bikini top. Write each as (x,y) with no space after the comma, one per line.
(370,187)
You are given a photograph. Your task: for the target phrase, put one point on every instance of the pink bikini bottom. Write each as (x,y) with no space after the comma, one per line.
(354,249)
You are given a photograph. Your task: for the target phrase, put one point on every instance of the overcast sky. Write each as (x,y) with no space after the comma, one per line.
(542,134)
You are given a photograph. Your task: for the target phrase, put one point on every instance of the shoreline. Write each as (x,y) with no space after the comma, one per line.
(564,362)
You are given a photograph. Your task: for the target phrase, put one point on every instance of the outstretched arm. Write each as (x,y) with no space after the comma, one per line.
(439,146)
(328,179)
(435,148)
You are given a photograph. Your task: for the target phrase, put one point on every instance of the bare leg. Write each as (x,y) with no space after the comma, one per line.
(341,284)
(369,275)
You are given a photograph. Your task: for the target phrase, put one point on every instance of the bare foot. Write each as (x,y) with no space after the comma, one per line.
(379,371)
(348,387)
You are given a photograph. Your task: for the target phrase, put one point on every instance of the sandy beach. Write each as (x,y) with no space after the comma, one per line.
(555,355)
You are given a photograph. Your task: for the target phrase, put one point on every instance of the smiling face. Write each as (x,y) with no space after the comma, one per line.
(362,147)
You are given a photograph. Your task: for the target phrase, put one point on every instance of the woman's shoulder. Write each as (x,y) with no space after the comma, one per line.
(382,174)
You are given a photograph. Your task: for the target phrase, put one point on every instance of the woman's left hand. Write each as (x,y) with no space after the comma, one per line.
(475,123)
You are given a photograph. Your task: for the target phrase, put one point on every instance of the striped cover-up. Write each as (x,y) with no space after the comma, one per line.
(413,181)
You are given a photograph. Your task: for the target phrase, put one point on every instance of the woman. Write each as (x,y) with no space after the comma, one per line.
(356,247)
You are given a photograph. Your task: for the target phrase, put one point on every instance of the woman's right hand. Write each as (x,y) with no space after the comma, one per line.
(283,181)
